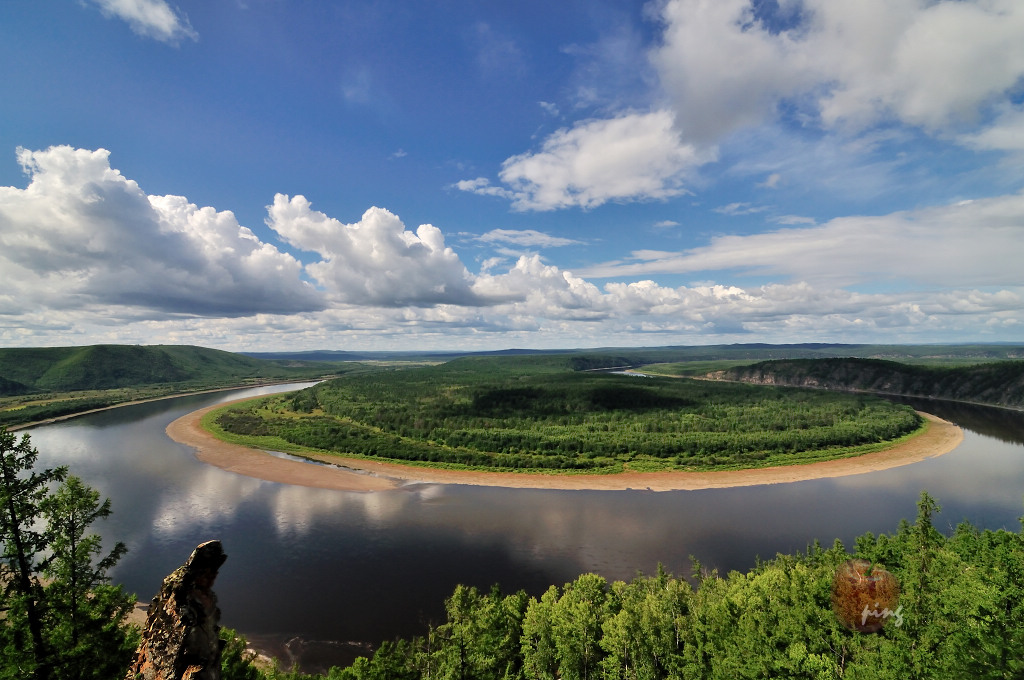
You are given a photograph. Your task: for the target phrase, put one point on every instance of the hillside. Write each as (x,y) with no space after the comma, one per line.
(103,367)
(603,357)
(1000,383)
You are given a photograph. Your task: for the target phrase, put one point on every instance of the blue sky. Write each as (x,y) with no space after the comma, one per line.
(268,175)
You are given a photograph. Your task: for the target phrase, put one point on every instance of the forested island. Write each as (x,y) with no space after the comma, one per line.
(543,414)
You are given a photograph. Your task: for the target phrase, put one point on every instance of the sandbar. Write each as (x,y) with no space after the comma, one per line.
(356,474)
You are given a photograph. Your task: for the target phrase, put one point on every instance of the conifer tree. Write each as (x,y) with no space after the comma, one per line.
(84,611)
(26,652)
(61,619)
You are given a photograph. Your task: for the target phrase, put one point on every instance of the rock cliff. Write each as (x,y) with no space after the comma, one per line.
(181,639)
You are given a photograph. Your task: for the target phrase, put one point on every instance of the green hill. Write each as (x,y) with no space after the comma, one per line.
(1000,383)
(103,367)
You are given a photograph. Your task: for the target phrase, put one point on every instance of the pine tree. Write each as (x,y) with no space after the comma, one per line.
(85,613)
(61,618)
(26,652)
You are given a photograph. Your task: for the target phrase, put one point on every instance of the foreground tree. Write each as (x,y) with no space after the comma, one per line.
(61,619)
(22,492)
(84,612)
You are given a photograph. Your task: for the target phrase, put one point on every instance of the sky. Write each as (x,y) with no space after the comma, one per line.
(264,175)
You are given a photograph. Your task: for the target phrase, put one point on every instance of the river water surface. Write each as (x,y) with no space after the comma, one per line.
(325,568)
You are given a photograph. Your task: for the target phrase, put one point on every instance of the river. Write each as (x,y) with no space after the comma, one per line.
(332,571)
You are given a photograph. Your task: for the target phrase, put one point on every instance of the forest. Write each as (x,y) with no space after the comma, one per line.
(51,382)
(542,413)
(999,383)
(960,615)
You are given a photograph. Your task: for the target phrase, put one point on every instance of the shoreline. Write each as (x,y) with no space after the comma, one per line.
(175,395)
(354,474)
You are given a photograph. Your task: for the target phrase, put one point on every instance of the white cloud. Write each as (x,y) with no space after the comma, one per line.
(482,186)
(89,257)
(150,18)
(944,67)
(734,209)
(550,108)
(544,291)
(1006,133)
(83,235)
(930,64)
(722,70)
(793,219)
(375,261)
(629,158)
(976,243)
(526,237)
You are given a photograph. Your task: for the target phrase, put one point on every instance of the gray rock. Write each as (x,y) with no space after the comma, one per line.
(181,640)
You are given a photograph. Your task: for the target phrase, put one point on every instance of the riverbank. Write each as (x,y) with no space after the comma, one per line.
(354,474)
(146,400)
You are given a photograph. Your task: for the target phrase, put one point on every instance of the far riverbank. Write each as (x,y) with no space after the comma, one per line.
(356,474)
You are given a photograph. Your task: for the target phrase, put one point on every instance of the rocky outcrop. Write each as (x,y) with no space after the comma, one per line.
(998,383)
(181,640)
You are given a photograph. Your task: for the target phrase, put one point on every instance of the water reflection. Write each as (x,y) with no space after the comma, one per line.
(345,566)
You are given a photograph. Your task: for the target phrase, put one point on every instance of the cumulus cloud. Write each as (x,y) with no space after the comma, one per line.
(970,243)
(81,234)
(150,18)
(726,65)
(951,68)
(722,69)
(636,156)
(89,257)
(375,261)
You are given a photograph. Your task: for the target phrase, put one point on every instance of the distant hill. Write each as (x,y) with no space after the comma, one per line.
(100,367)
(1000,383)
(597,357)
(341,355)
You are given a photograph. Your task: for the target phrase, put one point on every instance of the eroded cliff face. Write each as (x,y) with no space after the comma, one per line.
(997,383)
(181,640)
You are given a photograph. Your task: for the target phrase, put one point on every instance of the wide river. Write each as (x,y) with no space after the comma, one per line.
(326,569)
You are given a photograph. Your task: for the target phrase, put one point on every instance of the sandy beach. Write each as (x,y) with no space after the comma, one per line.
(353,474)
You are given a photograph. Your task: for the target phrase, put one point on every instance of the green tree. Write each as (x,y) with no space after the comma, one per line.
(576,625)
(26,652)
(85,614)
(540,657)
(236,661)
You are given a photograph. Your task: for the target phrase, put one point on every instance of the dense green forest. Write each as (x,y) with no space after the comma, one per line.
(1000,383)
(49,382)
(960,615)
(539,413)
(52,369)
